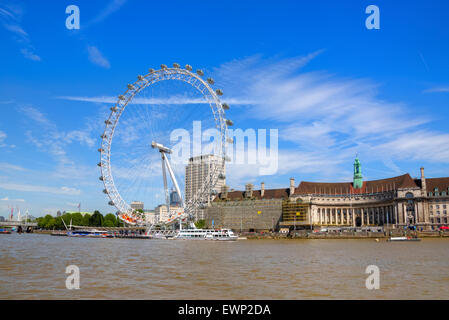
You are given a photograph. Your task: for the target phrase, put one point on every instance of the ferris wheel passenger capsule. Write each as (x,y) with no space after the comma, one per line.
(229,122)
(107,122)
(163,66)
(114,109)
(200,72)
(99,164)
(103,136)
(130,87)
(176,65)
(189,67)
(121,97)
(110,203)
(219,92)
(101,178)
(151,70)
(105,191)
(210,81)
(225,106)
(100,150)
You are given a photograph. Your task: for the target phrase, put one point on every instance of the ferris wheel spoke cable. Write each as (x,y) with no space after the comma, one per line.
(135,174)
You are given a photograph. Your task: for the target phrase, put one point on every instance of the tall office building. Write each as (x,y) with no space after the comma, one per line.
(175,200)
(198,170)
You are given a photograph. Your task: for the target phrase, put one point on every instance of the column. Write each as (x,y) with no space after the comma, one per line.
(353,217)
(404,208)
(395,213)
(416,212)
(362,216)
(388,215)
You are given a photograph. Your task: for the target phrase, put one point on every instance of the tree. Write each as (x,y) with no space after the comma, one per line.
(47,222)
(96,220)
(200,224)
(85,221)
(77,219)
(110,220)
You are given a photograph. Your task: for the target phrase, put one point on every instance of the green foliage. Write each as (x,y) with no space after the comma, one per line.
(86,220)
(200,224)
(77,219)
(110,220)
(96,220)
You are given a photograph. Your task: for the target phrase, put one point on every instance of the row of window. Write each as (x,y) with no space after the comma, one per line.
(438,212)
(439,220)
(436,193)
(437,206)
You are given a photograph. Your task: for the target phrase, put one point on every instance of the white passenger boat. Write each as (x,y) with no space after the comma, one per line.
(403,239)
(206,234)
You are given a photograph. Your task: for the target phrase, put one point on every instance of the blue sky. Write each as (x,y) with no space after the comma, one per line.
(331,87)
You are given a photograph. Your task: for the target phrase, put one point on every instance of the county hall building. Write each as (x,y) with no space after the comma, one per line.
(394,202)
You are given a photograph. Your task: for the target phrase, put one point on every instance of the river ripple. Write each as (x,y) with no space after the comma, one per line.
(33,266)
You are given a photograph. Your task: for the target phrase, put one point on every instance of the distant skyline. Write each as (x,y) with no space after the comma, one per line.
(310,69)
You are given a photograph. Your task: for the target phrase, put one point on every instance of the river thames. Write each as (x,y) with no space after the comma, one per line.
(33,266)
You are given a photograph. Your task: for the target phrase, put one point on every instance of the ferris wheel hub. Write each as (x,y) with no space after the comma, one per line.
(161,147)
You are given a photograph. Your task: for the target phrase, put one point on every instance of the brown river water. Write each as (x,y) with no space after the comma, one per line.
(33,266)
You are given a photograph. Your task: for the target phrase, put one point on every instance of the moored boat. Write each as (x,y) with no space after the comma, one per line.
(206,234)
(403,239)
(90,233)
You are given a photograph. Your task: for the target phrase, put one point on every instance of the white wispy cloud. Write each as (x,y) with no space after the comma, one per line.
(112,7)
(30,55)
(145,101)
(3,136)
(12,200)
(42,189)
(49,138)
(9,167)
(11,20)
(97,58)
(327,118)
(437,89)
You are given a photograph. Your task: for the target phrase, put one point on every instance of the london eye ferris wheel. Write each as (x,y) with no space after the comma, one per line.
(150,135)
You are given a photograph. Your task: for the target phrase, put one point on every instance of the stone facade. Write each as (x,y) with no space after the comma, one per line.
(394,202)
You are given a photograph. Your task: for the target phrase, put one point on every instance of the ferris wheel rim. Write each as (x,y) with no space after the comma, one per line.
(143,82)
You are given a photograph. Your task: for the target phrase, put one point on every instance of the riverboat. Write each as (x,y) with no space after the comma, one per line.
(91,233)
(206,234)
(403,239)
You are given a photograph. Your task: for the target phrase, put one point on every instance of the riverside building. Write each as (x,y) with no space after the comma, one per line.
(200,169)
(392,202)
